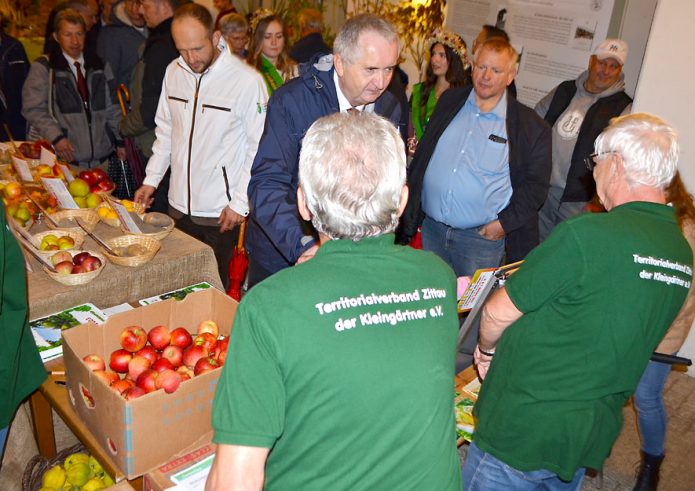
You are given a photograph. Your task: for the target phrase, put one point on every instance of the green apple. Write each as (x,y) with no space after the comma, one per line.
(78,188)
(93,200)
(23,215)
(81,202)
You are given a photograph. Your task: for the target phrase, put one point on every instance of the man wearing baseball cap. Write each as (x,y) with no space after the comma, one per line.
(578,110)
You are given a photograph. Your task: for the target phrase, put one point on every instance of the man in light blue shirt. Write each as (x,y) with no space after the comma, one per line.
(480,173)
(467,181)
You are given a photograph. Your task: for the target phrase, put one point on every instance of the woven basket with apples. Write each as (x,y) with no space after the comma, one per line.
(79,269)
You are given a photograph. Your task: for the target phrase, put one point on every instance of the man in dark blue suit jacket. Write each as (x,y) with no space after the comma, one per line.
(354,78)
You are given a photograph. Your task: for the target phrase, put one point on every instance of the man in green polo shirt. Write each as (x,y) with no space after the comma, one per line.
(21,368)
(340,372)
(568,337)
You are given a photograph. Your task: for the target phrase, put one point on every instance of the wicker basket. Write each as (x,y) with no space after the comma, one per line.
(166,230)
(151,244)
(80,278)
(38,465)
(78,237)
(87,216)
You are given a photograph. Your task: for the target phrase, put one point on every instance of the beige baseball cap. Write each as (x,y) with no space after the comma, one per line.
(612,48)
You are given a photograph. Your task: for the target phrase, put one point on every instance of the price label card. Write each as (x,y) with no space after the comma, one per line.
(57,188)
(125,218)
(66,172)
(22,168)
(47,157)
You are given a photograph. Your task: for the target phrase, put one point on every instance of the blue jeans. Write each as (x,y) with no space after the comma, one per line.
(3,439)
(483,472)
(465,250)
(649,404)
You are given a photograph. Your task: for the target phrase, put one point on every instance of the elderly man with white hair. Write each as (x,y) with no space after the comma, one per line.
(316,370)
(568,337)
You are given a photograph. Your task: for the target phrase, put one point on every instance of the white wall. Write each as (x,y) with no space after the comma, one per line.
(666,88)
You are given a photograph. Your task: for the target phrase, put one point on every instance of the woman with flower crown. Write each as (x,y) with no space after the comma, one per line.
(268,50)
(448,67)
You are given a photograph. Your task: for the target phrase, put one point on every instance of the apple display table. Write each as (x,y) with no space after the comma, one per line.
(181,261)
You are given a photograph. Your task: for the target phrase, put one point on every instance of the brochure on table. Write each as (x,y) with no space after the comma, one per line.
(47,331)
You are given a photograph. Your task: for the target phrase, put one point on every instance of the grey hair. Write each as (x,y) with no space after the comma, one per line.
(233,23)
(648,146)
(346,42)
(352,172)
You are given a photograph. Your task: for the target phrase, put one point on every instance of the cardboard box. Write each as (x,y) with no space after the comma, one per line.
(143,433)
(121,486)
(159,479)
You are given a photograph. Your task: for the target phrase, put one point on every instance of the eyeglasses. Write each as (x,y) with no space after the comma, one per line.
(591,160)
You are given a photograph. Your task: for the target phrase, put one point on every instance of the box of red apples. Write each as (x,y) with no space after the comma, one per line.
(142,427)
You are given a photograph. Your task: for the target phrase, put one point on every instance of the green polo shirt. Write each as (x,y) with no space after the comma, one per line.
(597,296)
(344,366)
(21,369)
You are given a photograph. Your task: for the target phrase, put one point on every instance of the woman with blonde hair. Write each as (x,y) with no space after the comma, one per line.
(268,50)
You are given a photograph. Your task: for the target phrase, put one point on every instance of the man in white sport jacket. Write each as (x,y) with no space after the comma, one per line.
(209,120)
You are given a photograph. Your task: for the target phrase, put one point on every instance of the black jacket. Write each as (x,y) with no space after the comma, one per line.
(14,67)
(530,161)
(160,50)
(580,184)
(308,47)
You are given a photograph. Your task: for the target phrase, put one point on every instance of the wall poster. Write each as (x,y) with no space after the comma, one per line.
(554,38)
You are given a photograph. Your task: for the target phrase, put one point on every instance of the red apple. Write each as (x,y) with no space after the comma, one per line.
(27,150)
(64,267)
(119,360)
(220,351)
(99,174)
(161,365)
(43,143)
(78,269)
(192,354)
(122,385)
(94,362)
(133,393)
(206,340)
(147,379)
(181,338)
(205,365)
(174,354)
(107,377)
(209,326)
(79,258)
(186,372)
(137,365)
(133,338)
(169,380)
(148,352)
(91,263)
(106,185)
(159,337)
(89,177)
